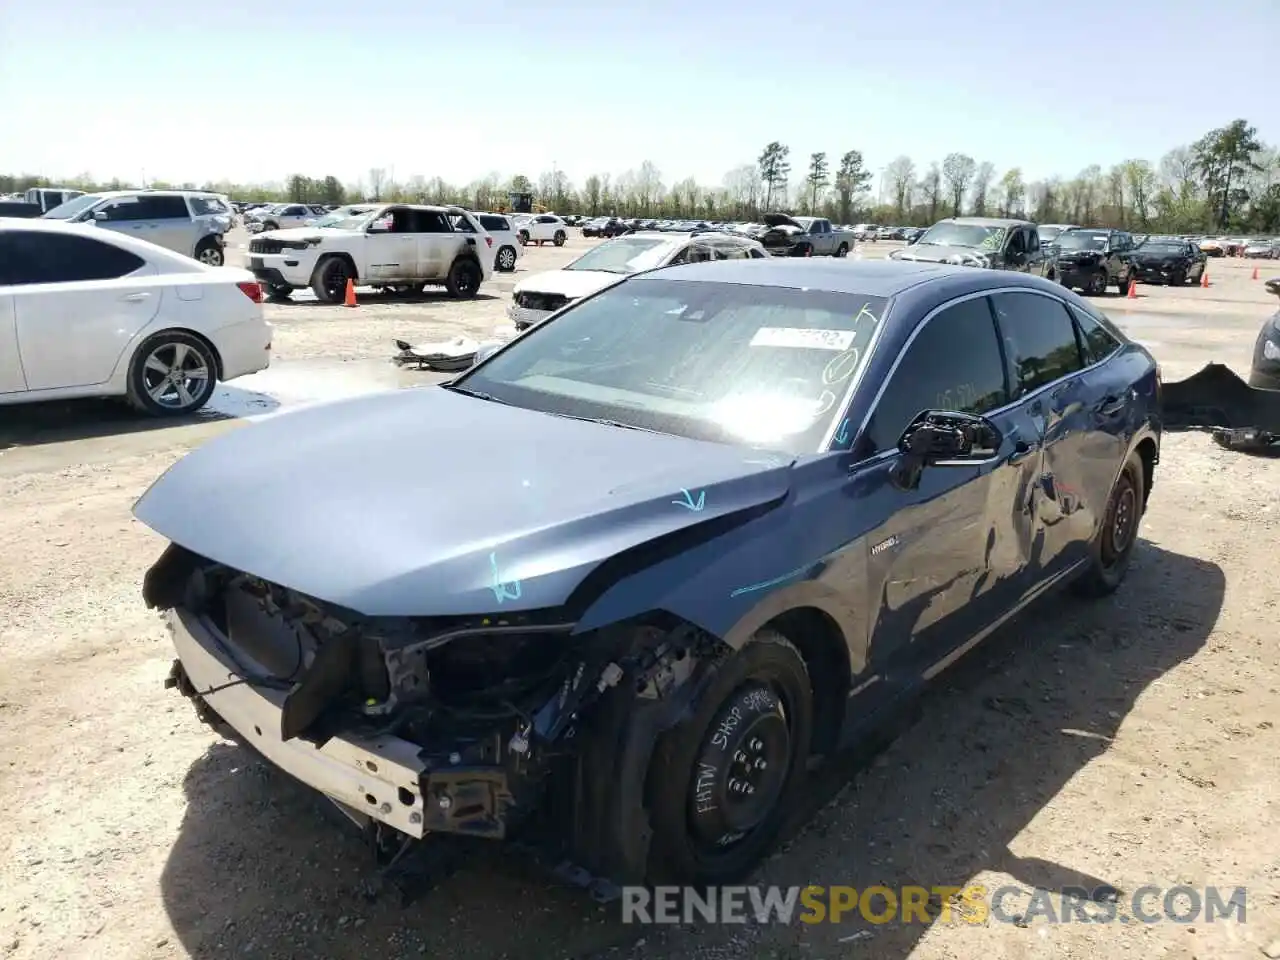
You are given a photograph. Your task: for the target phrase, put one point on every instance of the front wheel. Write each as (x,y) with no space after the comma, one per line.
(329,282)
(1113,546)
(559,238)
(172,374)
(721,783)
(1097,284)
(1124,286)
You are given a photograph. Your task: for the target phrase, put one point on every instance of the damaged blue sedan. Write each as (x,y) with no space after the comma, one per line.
(616,589)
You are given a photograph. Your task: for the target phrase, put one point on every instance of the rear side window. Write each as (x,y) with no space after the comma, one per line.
(953,364)
(1039,337)
(203,206)
(494,223)
(162,208)
(31,257)
(1098,342)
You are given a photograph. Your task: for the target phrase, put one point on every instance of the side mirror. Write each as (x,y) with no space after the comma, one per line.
(944,438)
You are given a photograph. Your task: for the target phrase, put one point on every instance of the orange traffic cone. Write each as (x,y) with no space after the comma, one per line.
(1133,289)
(1255,273)
(1204,279)
(350,301)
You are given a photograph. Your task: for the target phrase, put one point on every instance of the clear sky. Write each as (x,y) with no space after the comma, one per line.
(254,91)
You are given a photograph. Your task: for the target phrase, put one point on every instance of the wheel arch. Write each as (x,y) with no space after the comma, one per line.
(341,255)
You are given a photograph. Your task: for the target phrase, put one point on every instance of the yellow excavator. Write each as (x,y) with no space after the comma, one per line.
(521,203)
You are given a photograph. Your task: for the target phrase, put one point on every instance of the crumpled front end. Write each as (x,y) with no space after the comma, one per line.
(463,726)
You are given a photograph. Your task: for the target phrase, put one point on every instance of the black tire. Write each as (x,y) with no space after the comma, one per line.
(1178,278)
(703,759)
(842,250)
(145,391)
(278,292)
(1097,284)
(1124,286)
(523,237)
(270,225)
(1112,548)
(559,238)
(329,281)
(505,261)
(210,253)
(802,250)
(464,279)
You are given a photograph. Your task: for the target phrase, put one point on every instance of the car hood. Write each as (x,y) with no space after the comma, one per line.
(426,502)
(937,253)
(567,283)
(308,233)
(779,220)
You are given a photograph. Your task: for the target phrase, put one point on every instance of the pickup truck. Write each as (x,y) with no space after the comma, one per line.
(996,244)
(38,201)
(786,236)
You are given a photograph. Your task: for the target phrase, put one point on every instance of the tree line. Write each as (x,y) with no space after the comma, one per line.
(1226,180)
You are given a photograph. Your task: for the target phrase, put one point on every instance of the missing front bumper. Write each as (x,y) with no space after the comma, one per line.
(384,777)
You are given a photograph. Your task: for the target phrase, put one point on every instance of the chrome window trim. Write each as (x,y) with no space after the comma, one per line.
(834,427)
(875,401)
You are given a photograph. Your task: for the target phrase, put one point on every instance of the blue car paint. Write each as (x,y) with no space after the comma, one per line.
(403,503)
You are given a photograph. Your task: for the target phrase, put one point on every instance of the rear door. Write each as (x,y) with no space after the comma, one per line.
(78,303)
(169,222)
(437,243)
(1044,353)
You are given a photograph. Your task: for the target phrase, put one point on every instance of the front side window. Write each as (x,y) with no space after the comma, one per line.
(1039,338)
(733,363)
(74,207)
(953,364)
(31,257)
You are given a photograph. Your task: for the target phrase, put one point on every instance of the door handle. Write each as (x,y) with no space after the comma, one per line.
(1111,404)
(135,297)
(1023,449)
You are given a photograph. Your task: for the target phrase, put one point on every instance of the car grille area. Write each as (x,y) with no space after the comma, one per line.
(540,301)
(265,245)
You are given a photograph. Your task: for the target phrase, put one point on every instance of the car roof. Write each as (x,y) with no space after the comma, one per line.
(987,221)
(874,278)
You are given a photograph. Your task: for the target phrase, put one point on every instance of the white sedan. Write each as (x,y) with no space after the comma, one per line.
(93,313)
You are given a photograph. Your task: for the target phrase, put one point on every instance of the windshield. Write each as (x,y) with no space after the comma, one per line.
(624,255)
(78,205)
(1162,246)
(345,218)
(1048,233)
(1081,240)
(964,235)
(727,362)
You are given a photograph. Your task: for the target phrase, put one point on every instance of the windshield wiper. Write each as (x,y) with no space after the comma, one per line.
(478,394)
(605,422)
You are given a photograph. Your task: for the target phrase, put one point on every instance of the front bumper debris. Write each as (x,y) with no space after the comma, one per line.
(379,777)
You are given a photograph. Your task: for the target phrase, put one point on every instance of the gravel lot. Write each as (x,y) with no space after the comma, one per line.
(1128,742)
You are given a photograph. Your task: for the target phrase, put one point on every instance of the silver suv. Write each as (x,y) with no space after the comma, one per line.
(190,222)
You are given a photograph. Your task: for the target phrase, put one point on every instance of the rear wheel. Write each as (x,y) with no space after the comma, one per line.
(1113,546)
(1097,284)
(523,237)
(721,782)
(172,374)
(559,238)
(209,252)
(842,250)
(506,259)
(464,278)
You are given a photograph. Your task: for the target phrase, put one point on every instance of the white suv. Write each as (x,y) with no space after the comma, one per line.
(400,247)
(506,245)
(542,228)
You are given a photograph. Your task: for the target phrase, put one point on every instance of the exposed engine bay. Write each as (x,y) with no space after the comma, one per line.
(479,727)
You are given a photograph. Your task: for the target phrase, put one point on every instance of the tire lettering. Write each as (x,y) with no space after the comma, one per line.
(702,790)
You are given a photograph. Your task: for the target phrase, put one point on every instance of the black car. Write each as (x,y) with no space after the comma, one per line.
(1265,372)
(1083,258)
(1167,260)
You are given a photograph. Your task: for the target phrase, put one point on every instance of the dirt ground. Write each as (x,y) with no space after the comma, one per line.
(1126,742)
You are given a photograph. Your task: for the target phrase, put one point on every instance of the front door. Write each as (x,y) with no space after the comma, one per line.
(80,306)
(952,552)
(391,248)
